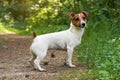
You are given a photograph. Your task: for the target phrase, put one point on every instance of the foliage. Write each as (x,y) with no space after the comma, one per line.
(100,46)
(101,42)
(102,52)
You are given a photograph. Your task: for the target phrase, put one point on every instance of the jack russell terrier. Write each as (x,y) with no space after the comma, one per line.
(67,40)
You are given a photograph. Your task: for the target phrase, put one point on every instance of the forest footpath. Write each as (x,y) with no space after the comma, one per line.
(15,56)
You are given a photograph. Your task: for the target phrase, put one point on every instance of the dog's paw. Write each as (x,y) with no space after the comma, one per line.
(42,70)
(72,66)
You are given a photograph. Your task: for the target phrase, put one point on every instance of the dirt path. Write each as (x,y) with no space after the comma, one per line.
(14,61)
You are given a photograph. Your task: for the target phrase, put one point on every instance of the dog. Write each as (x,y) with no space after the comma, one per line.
(64,40)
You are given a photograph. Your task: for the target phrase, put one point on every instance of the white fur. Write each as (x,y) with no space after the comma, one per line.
(67,40)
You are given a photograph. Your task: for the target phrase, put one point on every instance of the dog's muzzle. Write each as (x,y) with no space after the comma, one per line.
(82,25)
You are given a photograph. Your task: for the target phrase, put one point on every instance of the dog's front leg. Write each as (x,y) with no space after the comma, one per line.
(69,57)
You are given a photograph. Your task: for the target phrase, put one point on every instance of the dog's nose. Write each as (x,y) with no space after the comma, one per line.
(83,25)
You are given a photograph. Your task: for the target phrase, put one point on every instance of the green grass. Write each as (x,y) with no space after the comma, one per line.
(28,30)
(48,29)
(9,30)
(4,30)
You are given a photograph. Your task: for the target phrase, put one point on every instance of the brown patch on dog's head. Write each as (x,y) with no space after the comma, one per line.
(79,20)
(74,18)
(71,15)
(85,13)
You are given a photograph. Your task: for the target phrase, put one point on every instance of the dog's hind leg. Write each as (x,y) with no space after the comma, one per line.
(37,61)
(32,59)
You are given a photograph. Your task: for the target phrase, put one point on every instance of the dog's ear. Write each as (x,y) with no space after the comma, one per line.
(85,13)
(71,15)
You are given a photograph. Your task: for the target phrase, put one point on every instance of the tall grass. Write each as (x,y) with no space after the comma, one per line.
(48,29)
(100,49)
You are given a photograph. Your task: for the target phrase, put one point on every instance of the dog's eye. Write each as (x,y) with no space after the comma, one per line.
(77,19)
(84,18)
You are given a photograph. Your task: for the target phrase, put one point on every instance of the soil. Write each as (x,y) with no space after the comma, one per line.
(15,56)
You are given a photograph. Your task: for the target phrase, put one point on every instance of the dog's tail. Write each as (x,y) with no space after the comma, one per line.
(33,34)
